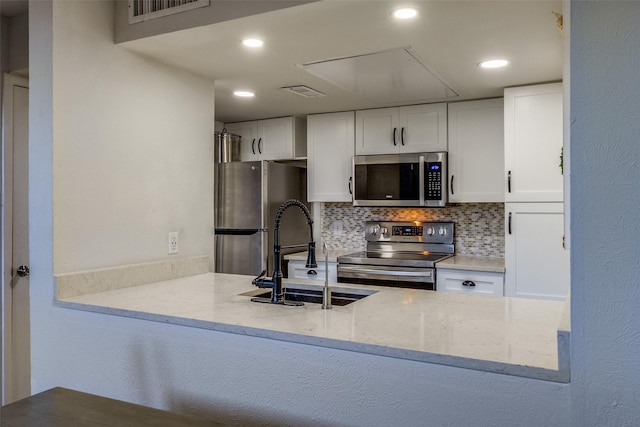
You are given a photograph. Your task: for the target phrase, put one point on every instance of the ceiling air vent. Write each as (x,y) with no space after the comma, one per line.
(141,10)
(302,90)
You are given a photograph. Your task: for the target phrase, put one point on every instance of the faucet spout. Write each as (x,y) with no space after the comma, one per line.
(277,295)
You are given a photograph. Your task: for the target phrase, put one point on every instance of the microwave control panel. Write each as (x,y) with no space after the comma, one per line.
(433,178)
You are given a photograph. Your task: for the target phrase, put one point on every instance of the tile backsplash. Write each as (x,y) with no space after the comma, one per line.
(479,227)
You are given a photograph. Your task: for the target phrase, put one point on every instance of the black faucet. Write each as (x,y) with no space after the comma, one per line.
(277,295)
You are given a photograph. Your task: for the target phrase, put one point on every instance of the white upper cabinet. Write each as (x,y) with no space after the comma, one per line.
(533,142)
(282,138)
(248,132)
(411,129)
(476,151)
(330,147)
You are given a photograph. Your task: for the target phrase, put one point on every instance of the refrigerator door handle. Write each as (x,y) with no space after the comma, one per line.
(237,232)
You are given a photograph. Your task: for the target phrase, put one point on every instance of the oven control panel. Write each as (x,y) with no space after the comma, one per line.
(409,231)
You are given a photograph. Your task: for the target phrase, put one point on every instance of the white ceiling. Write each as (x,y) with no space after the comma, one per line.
(450,37)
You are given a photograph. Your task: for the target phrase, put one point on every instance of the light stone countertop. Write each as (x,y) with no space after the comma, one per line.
(473,263)
(513,336)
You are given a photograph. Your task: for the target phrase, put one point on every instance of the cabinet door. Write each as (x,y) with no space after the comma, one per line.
(275,138)
(375,131)
(330,148)
(422,128)
(476,151)
(533,140)
(537,266)
(248,132)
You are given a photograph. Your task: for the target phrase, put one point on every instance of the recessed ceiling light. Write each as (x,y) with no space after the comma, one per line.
(494,63)
(405,13)
(243,93)
(252,42)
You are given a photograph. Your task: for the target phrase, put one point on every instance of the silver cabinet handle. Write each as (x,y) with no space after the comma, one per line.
(509,182)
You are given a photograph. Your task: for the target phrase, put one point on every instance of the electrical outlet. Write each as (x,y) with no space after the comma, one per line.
(173,243)
(337,228)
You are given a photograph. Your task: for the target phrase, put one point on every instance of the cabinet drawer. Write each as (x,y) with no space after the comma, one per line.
(475,282)
(297,270)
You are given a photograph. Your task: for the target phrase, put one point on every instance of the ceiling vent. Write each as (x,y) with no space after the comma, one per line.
(391,76)
(302,90)
(141,10)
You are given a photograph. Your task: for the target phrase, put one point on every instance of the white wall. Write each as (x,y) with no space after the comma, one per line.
(605,198)
(251,380)
(133,149)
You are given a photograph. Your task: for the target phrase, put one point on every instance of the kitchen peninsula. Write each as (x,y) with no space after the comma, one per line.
(513,336)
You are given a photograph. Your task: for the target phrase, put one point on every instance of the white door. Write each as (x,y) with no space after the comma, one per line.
(15,230)
(377,131)
(537,266)
(248,132)
(329,156)
(476,151)
(532,143)
(275,138)
(423,128)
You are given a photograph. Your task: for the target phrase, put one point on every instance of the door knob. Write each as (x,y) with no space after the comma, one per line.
(22,271)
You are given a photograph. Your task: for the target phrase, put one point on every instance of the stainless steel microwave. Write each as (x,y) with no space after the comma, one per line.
(402,180)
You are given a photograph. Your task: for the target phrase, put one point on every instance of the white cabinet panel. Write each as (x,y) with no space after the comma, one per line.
(411,129)
(282,138)
(476,151)
(248,132)
(533,141)
(375,131)
(330,148)
(467,281)
(537,266)
(423,128)
(297,270)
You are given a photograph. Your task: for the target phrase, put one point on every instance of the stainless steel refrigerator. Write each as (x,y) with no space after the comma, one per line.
(247,198)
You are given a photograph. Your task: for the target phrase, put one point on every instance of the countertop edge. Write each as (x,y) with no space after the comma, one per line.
(561,376)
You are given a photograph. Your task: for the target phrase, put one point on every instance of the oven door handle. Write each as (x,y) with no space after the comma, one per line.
(381,272)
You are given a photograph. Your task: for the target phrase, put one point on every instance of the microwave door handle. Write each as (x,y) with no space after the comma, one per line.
(421,166)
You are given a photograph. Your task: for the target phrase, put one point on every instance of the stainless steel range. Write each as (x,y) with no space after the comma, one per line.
(399,254)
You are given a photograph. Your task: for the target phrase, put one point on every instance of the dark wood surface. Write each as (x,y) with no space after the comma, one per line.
(69,408)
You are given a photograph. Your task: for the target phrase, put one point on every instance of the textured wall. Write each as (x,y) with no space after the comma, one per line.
(605,197)
(479,226)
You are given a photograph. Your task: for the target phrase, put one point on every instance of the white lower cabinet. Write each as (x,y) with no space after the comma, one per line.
(297,270)
(467,281)
(537,265)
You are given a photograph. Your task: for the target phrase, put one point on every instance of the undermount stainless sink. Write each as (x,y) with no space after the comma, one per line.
(313,294)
